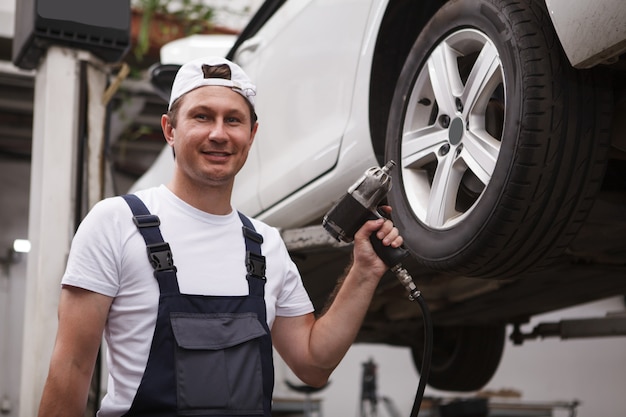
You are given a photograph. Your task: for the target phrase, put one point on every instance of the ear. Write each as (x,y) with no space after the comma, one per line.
(168,129)
(253,133)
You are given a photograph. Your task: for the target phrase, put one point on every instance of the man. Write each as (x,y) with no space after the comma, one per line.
(196,340)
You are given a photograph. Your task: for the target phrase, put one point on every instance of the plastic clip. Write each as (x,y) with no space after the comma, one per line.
(146,220)
(255,265)
(160,256)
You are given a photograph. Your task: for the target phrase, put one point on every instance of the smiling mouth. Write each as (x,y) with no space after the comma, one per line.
(217,153)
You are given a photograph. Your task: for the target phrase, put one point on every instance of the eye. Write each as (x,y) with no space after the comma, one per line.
(232,120)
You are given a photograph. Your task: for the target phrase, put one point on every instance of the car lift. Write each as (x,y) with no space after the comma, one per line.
(613,324)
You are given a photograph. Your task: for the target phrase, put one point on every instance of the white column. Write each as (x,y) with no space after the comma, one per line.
(51,216)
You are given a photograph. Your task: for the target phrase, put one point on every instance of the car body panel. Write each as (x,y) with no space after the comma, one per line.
(585,40)
(305,143)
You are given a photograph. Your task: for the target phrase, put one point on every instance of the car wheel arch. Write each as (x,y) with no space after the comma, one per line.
(402,23)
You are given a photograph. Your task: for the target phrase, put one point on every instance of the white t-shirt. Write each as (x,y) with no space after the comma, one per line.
(108,256)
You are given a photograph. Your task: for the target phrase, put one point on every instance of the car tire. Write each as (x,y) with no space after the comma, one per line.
(464,358)
(500,144)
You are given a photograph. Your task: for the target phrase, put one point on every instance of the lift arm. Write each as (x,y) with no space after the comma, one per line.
(611,325)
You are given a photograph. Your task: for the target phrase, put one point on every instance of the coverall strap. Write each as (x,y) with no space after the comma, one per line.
(159,252)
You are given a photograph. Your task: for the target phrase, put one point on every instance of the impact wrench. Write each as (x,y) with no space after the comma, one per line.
(342,221)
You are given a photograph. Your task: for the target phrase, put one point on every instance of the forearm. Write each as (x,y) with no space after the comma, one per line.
(66,391)
(335,331)
(314,347)
(82,315)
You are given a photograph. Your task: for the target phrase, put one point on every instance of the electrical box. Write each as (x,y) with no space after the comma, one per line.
(101,27)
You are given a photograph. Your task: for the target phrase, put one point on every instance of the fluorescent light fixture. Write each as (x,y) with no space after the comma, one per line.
(21,245)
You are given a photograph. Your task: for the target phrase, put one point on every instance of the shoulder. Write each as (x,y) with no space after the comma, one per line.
(113,212)
(117,205)
(109,209)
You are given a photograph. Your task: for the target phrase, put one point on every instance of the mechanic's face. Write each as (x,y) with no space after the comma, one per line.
(212,136)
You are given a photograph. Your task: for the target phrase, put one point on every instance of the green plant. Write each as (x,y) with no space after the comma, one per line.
(186,17)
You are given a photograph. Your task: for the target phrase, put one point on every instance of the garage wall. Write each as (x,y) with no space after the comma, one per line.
(590,370)
(14,189)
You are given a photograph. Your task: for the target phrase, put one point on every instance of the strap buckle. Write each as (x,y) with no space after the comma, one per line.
(160,256)
(255,265)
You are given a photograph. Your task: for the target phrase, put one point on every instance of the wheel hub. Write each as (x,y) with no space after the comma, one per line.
(455,132)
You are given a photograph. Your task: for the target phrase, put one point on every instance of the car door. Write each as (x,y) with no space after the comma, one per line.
(303,61)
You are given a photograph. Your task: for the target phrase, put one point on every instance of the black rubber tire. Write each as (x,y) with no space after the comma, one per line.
(554,139)
(463,358)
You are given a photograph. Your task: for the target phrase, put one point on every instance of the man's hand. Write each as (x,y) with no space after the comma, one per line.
(365,258)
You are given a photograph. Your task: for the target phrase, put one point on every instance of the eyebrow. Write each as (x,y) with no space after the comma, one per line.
(229,111)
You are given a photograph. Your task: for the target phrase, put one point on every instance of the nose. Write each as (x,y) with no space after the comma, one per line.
(218,131)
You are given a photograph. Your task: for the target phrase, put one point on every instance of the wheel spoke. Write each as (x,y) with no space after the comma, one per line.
(479,86)
(480,154)
(444,77)
(441,202)
(418,144)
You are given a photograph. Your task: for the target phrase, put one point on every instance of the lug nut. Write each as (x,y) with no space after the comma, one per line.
(459,104)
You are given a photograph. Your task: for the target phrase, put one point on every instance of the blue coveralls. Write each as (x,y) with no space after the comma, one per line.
(210,355)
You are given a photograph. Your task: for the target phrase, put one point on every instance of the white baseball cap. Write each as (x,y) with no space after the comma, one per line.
(191,76)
